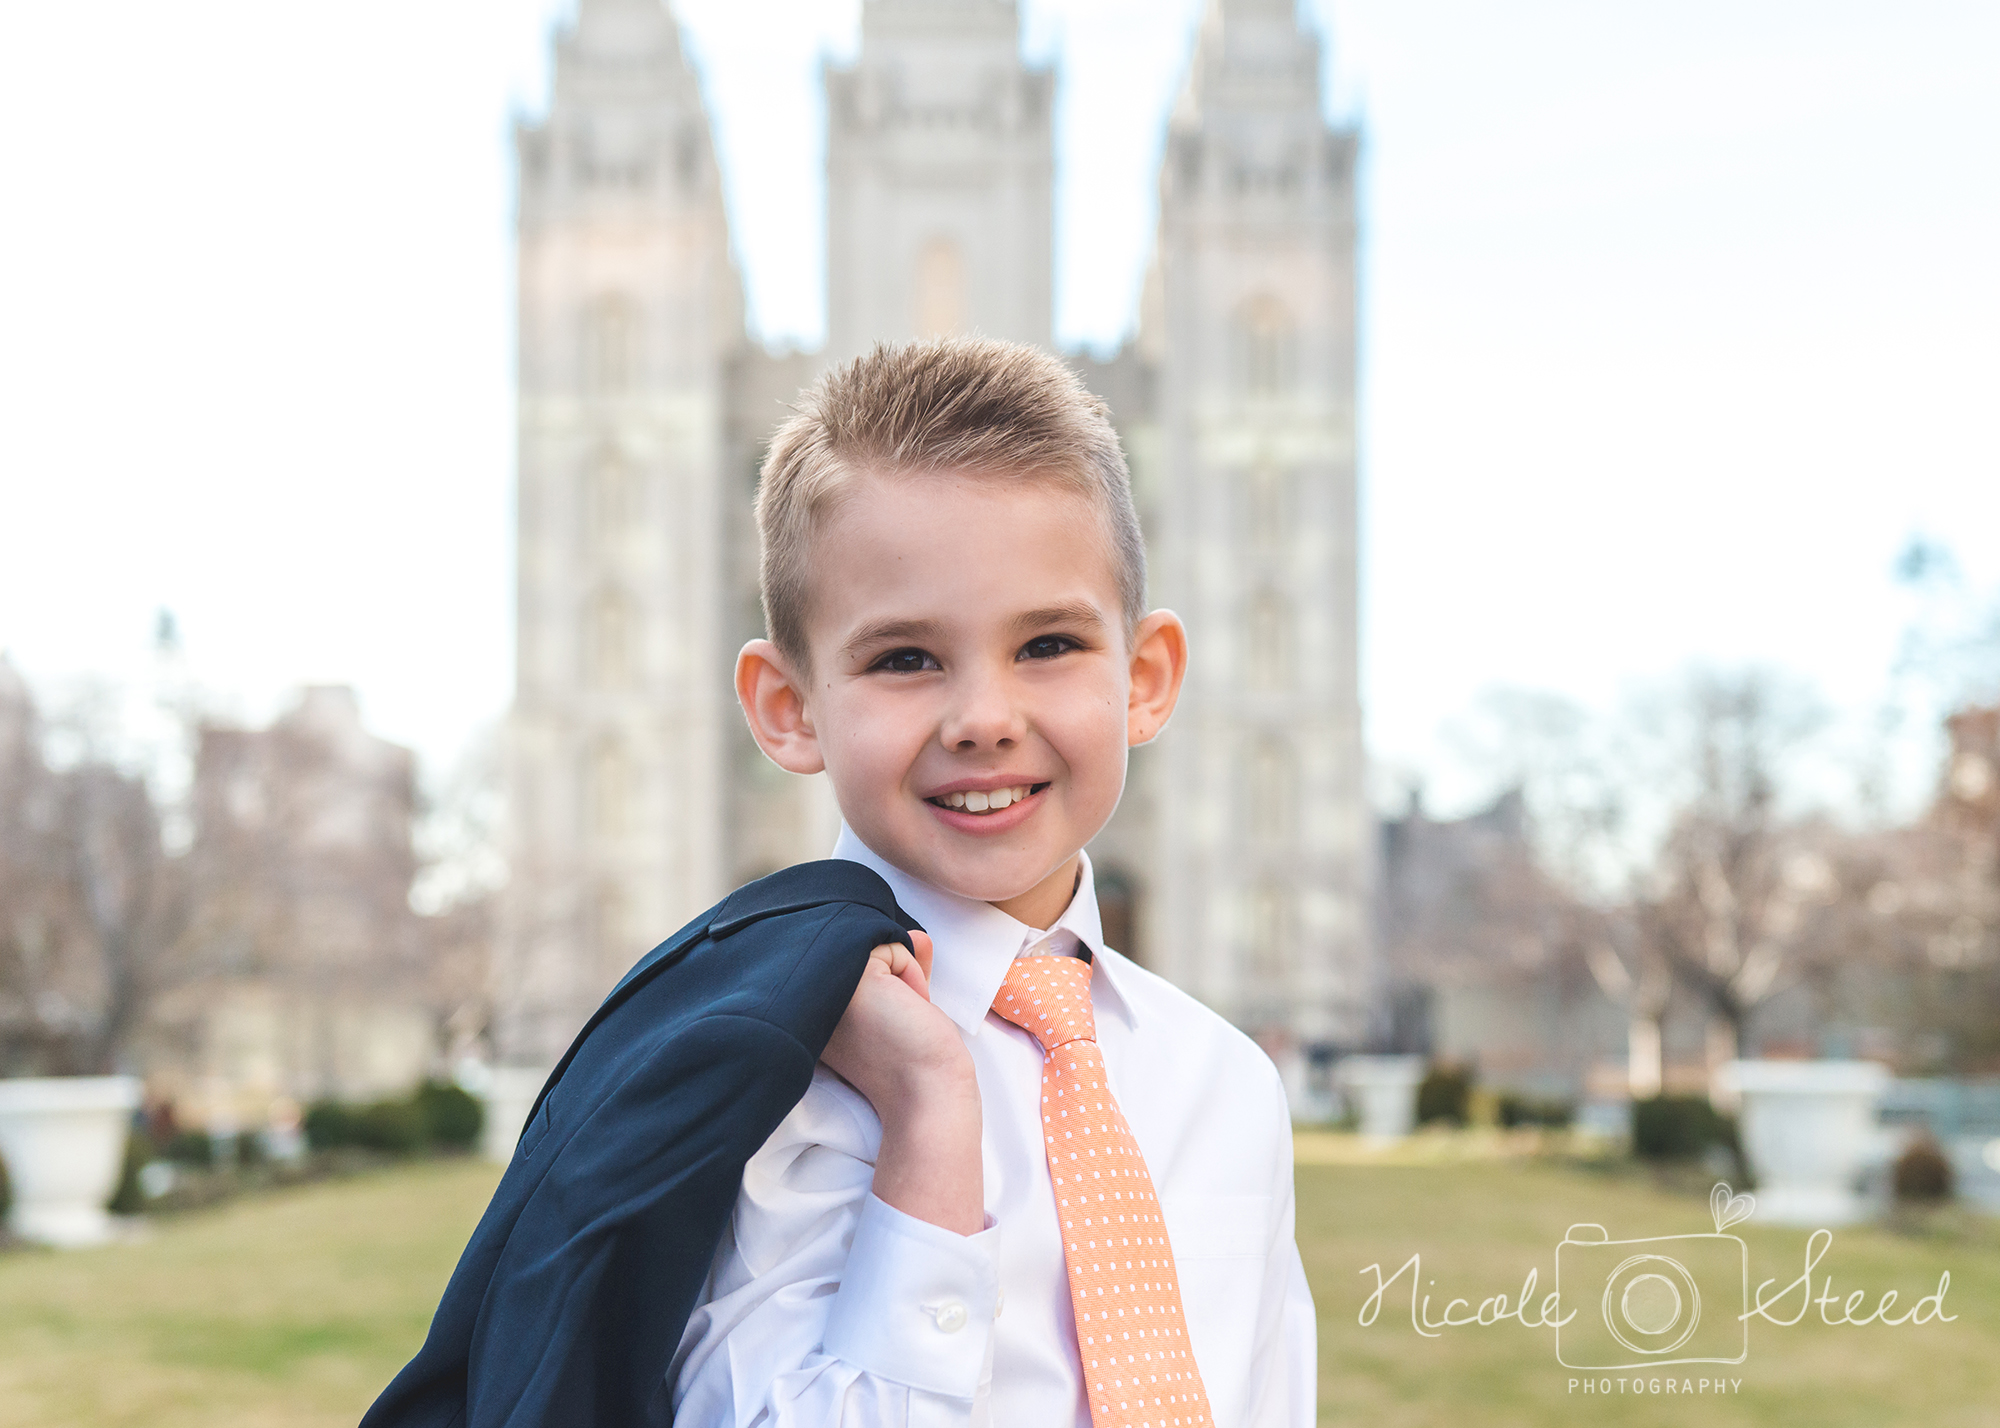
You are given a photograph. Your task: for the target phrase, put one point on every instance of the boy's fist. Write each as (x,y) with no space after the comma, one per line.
(906,1057)
(892,1045)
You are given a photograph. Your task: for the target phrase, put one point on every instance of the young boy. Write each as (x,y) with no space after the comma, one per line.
(1032,1184)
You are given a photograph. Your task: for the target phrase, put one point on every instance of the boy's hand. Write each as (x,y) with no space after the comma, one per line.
(907,1058)
(892,1045)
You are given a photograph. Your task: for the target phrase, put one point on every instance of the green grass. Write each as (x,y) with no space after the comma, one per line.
(290,1309)
(295,1308)
(1481,1227)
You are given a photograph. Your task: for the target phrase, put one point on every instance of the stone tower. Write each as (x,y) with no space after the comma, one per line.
(630,313)
(1260,832)
(940,165)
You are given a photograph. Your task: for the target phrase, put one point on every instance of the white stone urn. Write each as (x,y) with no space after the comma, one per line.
(1383,1089)
(63,1138)
(1808,1129)
(509,1094)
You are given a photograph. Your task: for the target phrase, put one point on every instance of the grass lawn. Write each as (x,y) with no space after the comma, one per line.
(294,1309)
(1481,1227)
(288,1310)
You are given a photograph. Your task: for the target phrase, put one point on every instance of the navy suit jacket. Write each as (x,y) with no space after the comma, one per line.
(569,1301)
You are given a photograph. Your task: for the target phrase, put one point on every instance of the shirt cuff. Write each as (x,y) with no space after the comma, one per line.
(917,1302)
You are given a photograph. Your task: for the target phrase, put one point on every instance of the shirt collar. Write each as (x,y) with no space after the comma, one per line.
(973,942)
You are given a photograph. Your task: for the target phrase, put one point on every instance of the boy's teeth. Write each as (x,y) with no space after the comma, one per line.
(990,801)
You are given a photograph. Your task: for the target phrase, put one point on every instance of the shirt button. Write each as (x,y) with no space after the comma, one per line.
(951,1317)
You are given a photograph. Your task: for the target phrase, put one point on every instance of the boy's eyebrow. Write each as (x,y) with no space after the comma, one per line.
(884,630)
(1068,612)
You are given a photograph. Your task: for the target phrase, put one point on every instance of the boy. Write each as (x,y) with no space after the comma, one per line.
(954,581)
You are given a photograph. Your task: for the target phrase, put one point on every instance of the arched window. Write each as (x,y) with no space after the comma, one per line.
(610,344)
(610,790)
(940,295)
(1268,646)
(1265,347)
(1271,789)
(608,641)
(1264,498)
(610,499)
(1270,931)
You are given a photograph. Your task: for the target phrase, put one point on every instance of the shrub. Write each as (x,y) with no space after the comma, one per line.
(1923,1173)
(191,1147)
(452,1118)
(437,1114)
(1516,1110)
(1679,1128)
(329,1125)
(392,1127)
(1445,1095)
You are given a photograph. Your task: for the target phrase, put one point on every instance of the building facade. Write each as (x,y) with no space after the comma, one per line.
(1237,865)
(312,976)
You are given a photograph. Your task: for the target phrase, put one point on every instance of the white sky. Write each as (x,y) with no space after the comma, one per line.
(1679,321)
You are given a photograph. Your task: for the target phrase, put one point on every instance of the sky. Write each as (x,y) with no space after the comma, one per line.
(1678,324)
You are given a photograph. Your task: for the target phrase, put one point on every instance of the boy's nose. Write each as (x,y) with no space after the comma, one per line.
(984,716)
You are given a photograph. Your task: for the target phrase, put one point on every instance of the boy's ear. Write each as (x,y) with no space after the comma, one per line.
(774,703)
(1159,663)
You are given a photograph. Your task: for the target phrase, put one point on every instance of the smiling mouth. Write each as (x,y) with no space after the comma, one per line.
(988,801)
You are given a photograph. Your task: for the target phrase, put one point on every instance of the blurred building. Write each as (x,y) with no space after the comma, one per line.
(1237,864)
(308,974)
(17,715)
(1486,961)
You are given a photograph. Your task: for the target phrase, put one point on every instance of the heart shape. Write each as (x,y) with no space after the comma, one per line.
(1728,1209)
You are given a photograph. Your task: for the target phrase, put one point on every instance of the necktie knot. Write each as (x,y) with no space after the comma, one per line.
(1049,998)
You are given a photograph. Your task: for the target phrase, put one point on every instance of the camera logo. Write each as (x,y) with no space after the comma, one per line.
(1676,1299)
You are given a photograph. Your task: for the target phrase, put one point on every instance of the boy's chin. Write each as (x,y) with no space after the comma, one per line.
(986,876)
(981,885)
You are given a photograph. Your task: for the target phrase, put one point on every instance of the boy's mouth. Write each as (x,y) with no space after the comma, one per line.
(974,800)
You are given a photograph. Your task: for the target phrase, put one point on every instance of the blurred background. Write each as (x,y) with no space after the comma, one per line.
(1565,429)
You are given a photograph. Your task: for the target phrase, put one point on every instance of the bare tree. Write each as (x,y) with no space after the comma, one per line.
(92,908)
(1690,872)
(1635,978)
(1580,781)
(1740,890)
(461,870)
(1689,833)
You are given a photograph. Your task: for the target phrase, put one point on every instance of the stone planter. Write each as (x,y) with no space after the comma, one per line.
(63,1139)
(1808,1129)
(509,1094)
(1383,1090)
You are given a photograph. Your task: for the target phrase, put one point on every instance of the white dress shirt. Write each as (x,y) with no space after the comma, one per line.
(827,1307)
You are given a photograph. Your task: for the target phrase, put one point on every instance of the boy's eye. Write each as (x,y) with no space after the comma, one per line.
(1048,647)
(906,662)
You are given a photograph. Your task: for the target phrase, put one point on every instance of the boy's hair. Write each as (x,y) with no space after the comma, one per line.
(952,405)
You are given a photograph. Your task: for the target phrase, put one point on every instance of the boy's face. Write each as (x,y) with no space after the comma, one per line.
(968,651)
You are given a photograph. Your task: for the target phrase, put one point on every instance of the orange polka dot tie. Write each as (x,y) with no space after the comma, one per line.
(1137,1362)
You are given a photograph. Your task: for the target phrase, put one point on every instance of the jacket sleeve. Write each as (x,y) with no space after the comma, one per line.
(826,1306)
(577,1325)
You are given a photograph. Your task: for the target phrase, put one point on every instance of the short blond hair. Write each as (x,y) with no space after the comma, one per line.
(945,406)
